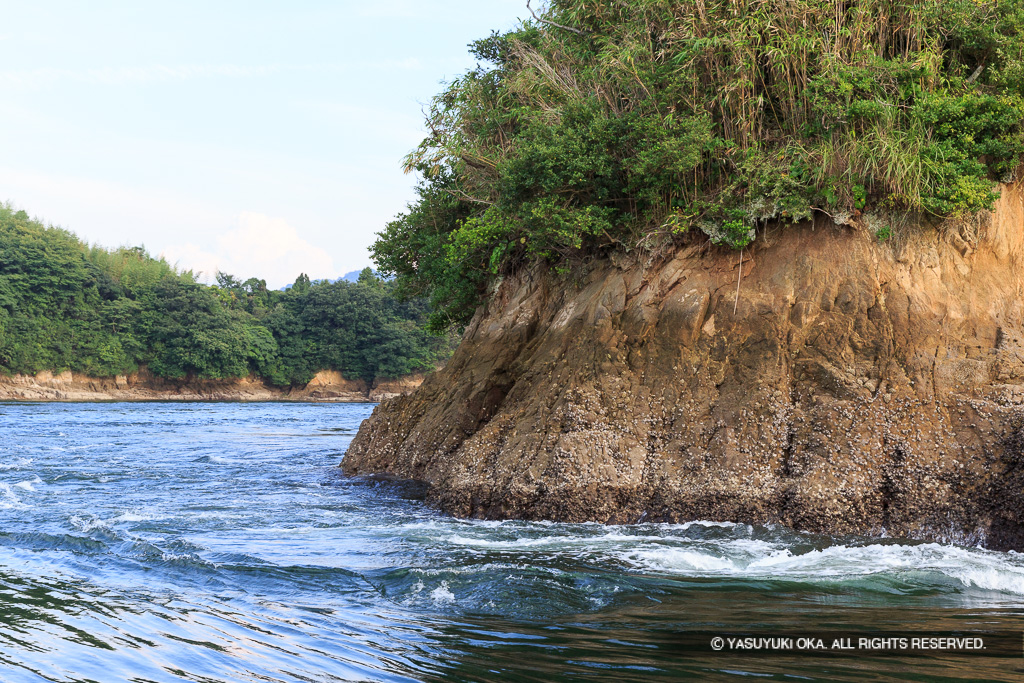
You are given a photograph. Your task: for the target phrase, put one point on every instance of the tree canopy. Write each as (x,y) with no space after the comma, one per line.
(65,305)
(615,124)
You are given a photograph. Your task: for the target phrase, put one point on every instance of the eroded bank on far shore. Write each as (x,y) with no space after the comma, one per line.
(327,385)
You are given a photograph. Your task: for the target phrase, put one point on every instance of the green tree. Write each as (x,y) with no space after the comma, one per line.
(673,120)
(67,305)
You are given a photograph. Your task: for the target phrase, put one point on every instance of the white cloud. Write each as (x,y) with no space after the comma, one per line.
(259,246)
(106,212)
(337,209)
(256,245)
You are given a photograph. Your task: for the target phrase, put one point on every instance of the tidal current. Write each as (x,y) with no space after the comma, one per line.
(219,542)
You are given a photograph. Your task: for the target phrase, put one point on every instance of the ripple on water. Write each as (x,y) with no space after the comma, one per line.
(204,542)
(9,499)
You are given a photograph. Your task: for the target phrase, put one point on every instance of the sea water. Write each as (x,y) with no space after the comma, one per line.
(220,542)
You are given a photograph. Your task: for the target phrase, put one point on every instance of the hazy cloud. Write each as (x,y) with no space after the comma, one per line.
(281,109)
(107,212)
(259,246)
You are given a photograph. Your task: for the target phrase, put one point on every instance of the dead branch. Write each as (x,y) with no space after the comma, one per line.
(551,23)
(970,79)
(459,194)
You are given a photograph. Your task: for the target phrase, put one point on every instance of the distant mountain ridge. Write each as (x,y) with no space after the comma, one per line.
(347,277)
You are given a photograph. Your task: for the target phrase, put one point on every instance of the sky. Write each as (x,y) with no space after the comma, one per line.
(261,139)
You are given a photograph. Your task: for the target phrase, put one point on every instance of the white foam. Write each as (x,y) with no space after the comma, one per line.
(16,465)
(668,549)
(29,485)
(614,537)
(214,459)
(971,567)
(552,542)
(692,560)
(442,595)
(87,525)
(708,525)
(92,523)
(475,569)
(729,557)
(135,515)
(9,499)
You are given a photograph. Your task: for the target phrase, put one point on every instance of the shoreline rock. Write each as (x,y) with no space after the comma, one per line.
(827,382)
(326,386)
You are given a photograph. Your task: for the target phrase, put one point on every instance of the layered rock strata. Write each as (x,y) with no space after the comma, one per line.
(829,382)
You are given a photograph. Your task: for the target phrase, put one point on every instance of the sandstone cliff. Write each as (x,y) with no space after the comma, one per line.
(327,385)
(842,386)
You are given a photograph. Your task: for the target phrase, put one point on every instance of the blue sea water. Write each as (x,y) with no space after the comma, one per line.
(211,542)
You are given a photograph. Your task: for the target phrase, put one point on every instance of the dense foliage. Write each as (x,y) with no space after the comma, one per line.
(65,305)
(618,123)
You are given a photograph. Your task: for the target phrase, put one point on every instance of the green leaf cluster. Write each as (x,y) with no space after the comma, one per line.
(667,119)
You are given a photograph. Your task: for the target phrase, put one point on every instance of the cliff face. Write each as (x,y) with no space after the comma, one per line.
(327,385)
(841,385)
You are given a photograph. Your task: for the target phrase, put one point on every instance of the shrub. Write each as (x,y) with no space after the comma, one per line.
(659,118)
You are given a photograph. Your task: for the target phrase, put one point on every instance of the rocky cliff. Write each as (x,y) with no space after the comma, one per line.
(327,385)
(831,383)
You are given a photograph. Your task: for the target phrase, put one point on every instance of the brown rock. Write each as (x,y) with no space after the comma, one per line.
(851,387)
(143,386)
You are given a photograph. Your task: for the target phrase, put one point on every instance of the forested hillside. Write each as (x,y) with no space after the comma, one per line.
(630,125)
(65,305)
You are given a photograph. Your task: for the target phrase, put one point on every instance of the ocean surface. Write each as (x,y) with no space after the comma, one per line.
(220,542)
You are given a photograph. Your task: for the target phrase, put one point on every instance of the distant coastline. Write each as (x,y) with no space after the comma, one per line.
(326,386)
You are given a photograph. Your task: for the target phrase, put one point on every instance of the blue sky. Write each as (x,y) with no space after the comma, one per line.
(260,138)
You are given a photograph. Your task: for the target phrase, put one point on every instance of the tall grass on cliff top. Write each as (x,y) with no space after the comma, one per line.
(616,123)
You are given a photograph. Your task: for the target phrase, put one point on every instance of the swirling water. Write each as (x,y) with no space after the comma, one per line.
(220,542)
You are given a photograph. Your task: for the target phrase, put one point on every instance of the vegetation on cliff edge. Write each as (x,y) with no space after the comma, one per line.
(624,123)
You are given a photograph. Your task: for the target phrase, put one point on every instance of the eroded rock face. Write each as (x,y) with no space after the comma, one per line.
(327,385)
(840,385)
